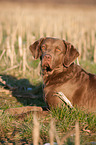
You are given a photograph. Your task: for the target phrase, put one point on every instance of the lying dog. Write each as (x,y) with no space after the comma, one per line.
(62,77)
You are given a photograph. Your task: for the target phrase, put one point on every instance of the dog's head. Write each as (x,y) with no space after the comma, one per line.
(53,53)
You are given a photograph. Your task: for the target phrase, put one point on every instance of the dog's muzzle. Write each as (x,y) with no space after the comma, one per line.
(46,62)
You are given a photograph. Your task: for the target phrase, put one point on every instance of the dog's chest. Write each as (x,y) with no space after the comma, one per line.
(67,89)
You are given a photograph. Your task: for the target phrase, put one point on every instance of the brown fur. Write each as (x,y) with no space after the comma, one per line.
(61,74)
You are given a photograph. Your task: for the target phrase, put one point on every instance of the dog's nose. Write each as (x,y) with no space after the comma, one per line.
(47,57)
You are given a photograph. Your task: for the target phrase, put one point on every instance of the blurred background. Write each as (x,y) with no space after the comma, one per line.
(56,1)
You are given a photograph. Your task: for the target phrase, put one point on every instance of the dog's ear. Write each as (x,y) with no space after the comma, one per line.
(35,48)
(70,55)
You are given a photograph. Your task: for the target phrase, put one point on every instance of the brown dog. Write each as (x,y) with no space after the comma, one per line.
(63,79)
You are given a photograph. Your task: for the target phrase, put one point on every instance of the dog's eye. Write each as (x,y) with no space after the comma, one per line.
(43,47)
(57,49)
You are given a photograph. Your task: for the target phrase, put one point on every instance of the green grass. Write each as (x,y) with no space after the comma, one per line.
(66,118)
(20,129)
(88,66)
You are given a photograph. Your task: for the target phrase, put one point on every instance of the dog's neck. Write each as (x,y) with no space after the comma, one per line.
(58,72)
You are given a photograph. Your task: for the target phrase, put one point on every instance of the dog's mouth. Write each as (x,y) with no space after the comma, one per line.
(46,68)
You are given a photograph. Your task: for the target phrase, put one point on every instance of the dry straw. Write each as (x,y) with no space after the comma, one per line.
(53,133)
(2,54)
(24,60)
(77,136)
(26,25)
(20,45)
(0,34)
(35,130)
(95,53)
